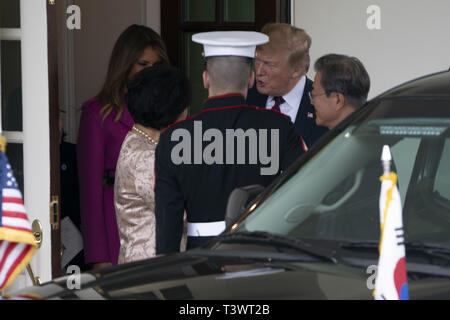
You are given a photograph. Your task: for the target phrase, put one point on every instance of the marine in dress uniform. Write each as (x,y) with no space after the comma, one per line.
(202,188)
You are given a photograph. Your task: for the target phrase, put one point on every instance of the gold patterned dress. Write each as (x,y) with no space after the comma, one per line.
(134,199)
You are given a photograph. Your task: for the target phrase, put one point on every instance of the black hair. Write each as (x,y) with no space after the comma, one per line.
(157,96)
(346,75)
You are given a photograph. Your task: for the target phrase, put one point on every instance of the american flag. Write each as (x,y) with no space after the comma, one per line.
(17,245)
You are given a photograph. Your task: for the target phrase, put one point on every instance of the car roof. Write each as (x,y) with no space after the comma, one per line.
(436,85)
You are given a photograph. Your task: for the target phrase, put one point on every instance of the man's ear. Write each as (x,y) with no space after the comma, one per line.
(205,76)
(340,101)
(298,72)
(251,79)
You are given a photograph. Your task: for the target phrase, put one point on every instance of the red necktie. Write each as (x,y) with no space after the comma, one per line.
(278,102)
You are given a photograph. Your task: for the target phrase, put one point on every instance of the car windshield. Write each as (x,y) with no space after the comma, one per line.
(335,195)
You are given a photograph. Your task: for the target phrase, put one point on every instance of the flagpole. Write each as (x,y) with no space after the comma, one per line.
(2,143)
(391,280)
(35,280)
(386,160)
(2,138)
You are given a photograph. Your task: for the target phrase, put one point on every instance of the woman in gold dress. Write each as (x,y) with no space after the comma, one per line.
(157,97)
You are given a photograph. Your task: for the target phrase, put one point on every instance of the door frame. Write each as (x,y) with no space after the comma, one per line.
(173,27)
(36,132)
(55,185)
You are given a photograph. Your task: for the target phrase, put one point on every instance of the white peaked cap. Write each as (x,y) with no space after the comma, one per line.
(230,43)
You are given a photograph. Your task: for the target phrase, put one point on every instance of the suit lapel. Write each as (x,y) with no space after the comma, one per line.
(254,98)
(305,122)
(306,116)
(262,101)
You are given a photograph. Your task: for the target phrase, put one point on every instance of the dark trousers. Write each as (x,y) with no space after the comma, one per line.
(194,242)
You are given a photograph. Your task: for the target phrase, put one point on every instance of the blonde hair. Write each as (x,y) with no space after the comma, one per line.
(295,40)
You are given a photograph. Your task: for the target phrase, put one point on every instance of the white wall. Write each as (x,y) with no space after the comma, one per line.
(154,15)
(413,39)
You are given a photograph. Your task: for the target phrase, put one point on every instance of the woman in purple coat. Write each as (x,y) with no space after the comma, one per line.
(104,123)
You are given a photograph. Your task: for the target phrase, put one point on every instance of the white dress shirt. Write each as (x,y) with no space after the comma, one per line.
(292,100)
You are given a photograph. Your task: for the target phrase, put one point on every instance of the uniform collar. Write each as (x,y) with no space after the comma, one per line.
(229,100)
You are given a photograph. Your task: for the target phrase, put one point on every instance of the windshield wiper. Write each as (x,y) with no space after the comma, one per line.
(277,241)
(359,244)
(429,249)
(437,251)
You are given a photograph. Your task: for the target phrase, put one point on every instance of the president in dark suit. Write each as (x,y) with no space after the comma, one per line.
(281,83)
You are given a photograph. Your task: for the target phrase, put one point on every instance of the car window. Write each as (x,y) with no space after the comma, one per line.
(442,182)
(404,153)
(335,195)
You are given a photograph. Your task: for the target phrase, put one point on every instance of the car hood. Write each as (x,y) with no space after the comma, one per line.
(205,274)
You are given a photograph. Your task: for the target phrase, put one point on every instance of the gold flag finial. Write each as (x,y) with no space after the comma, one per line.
(3,144)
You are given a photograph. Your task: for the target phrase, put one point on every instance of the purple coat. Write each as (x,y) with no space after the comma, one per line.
(98,149)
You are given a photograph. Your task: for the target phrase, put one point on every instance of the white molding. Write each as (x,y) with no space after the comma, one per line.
(36,123)
(13,136)
(13,34)
(293,12)
(144,12)
(153,9)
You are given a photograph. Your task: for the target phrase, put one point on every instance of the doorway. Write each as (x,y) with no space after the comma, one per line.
(25,115)
(45,68)
(84,49)
(181,19)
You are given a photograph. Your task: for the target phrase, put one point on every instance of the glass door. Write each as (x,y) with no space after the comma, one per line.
(11,85)
(25,115)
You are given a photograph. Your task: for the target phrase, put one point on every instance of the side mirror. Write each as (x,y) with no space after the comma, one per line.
(238,201)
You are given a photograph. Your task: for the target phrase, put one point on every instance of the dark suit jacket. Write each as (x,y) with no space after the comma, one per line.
(305,126)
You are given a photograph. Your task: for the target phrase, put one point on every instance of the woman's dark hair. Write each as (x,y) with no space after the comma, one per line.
(157,96)
(128,48)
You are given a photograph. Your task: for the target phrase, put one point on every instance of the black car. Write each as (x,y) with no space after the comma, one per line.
(314,233)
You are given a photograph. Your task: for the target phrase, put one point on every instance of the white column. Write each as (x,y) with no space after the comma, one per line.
(36,131)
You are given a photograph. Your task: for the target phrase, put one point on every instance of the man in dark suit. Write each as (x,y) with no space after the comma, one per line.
(281,83)
(201,160)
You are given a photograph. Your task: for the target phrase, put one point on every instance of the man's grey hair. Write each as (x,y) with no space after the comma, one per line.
(229,73)
(346,75)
